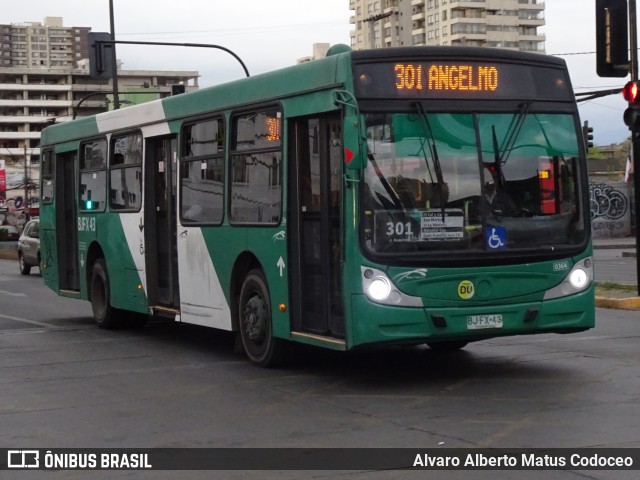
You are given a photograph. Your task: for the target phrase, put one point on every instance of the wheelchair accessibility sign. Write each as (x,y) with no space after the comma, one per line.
(496,237)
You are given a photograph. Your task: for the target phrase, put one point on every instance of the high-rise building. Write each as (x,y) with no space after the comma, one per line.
(47,44)
(44,77)
(511,24)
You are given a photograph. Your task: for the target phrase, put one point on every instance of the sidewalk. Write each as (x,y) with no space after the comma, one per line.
(627,244)
(9,250)
(622,300)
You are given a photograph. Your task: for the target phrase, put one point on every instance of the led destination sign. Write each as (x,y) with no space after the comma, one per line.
(460,79)
(473,78)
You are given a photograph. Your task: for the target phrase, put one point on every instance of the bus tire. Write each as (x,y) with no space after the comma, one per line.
(103,313)
(447,346)
(254,323)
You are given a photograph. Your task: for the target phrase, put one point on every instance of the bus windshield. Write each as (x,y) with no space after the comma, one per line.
(477,182)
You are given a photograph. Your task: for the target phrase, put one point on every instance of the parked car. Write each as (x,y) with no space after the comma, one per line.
(29,247)
(9,232)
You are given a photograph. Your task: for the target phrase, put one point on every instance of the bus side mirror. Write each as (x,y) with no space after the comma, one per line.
(355,143)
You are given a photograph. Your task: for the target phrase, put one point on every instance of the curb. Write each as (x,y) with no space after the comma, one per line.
(631,303)
(9,250)
(614,246)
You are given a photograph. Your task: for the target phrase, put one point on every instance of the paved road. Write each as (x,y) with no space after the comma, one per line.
(66,383)
(612,266)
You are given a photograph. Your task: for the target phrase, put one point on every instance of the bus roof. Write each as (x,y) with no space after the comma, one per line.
(455,52)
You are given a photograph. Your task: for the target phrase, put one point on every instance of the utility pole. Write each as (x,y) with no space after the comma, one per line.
(114,61)
(635,130)
(26,185)
(616,37)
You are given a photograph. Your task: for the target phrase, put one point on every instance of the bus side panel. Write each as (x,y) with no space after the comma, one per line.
(270,246)
(202,299)
(48,246)
(133,231)
(205,274)
(120,240)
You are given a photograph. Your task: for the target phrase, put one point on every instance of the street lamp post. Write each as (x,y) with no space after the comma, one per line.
(26,184)
(114,60)
(77,105)
(171,44)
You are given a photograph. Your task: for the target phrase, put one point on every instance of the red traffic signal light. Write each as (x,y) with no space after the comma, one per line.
(631,91)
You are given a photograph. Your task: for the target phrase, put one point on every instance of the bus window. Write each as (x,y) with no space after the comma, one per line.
(93,175)
(48,177)
(125,173)
(256,163)
(202,179)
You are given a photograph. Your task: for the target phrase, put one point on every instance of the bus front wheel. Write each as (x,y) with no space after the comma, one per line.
(254,322)
(103,313)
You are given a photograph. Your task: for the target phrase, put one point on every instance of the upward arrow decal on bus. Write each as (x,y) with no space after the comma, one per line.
(280,265)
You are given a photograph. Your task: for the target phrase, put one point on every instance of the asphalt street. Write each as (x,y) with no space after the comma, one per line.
(66,383)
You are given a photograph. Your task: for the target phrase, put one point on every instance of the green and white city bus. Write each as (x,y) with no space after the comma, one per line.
(415,195)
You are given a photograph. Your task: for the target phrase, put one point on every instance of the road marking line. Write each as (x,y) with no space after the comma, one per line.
(24,320)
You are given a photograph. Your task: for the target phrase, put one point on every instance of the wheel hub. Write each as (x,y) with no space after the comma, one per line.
(255,319)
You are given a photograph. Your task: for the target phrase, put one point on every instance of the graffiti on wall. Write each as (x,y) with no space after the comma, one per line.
(610,207)
(607,202)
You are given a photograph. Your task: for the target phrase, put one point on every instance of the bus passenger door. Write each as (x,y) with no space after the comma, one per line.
(67,221)
(315,209)
(161,256)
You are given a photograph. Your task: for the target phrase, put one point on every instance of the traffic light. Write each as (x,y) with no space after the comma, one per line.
(587,134)
(612,44)
(631,93)
(100,56)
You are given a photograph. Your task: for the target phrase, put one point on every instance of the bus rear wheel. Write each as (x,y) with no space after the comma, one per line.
(103,313)
(254,322)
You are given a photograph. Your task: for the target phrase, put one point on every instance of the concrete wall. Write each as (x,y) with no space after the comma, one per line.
(610,202)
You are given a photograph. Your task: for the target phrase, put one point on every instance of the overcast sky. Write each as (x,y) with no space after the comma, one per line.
(272,34)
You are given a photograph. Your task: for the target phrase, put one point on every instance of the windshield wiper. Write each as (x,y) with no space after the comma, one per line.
(431,142)
(385,184)
(502,152)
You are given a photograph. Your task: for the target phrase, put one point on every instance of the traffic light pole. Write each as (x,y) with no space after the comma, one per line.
(635,131)
(114,60)
(171,44)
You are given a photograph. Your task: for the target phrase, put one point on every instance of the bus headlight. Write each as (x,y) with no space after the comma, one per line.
(380,289)
(577,280)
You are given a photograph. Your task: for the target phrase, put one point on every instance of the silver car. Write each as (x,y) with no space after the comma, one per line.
(29,247)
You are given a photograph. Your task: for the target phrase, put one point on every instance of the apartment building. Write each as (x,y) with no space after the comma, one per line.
(42,85)
(511,24)
(43,44)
